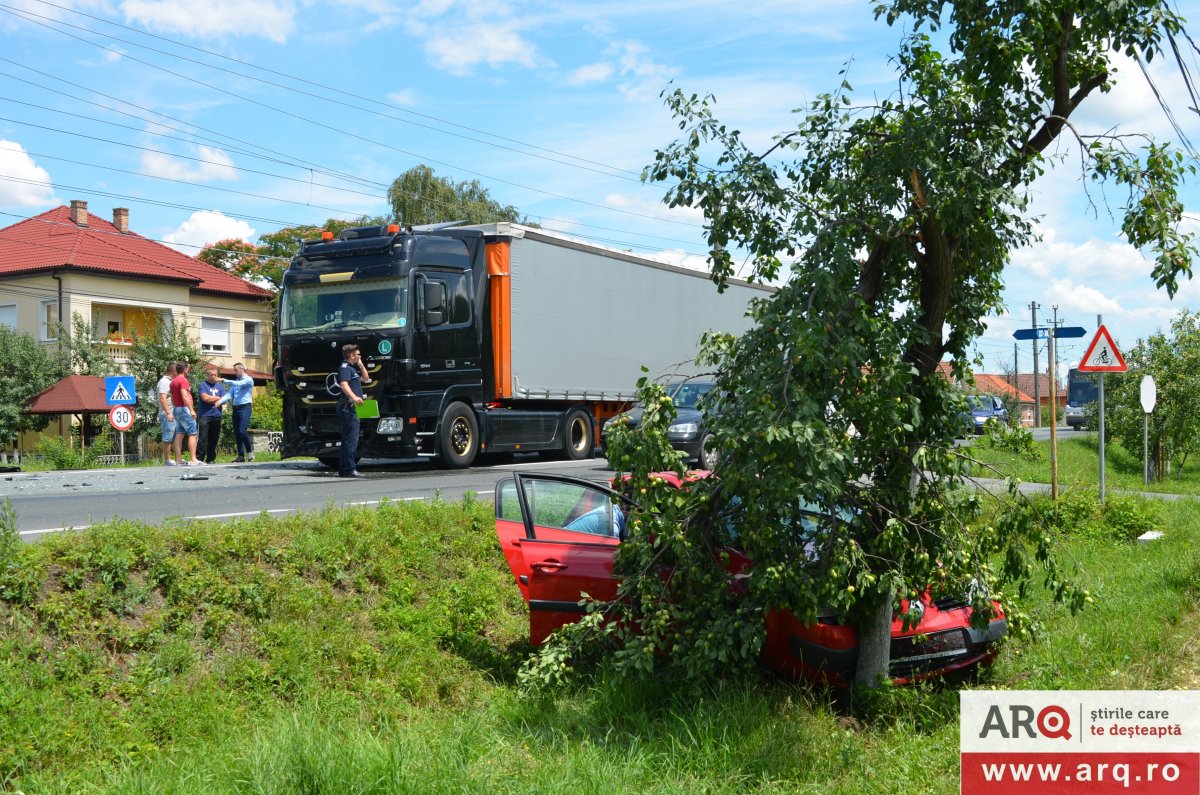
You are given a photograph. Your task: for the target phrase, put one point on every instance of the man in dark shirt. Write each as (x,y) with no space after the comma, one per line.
(211,390)
(351,376)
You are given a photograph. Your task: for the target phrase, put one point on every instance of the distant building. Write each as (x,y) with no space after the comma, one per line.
(67,261)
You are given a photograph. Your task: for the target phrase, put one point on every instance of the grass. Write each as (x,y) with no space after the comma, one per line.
(1079,466)
(374,650)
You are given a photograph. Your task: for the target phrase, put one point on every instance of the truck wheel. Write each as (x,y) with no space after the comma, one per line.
(578,438)
(708,452)
(459,436)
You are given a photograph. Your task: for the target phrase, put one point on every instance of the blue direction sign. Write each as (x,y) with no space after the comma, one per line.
(1042,332)
(118,390)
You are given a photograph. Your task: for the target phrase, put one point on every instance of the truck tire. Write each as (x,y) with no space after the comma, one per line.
(458,436)
(707,459)
(578,436)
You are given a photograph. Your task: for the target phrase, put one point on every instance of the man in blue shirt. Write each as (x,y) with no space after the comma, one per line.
(351,375)
(241,396)
(212,392)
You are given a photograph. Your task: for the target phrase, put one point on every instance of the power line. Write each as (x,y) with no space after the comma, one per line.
(346,133)
(230,167)
(317,85)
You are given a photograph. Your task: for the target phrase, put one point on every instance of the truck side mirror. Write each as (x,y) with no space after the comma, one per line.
(433,293)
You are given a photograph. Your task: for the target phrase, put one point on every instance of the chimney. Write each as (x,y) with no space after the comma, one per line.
(79,214)
(121,219)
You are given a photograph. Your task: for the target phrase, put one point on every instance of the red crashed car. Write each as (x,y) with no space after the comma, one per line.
(559,534)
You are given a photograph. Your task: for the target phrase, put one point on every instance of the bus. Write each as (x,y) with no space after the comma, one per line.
(1081,390)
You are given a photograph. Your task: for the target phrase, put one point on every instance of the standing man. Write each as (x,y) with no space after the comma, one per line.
(185,414)
(212,394)
(241,395)
(166,414)
(351,376)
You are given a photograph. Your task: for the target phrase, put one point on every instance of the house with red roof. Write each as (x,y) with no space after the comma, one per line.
(68,262)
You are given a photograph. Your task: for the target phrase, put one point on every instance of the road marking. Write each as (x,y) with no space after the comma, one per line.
(220,515)
(241,513)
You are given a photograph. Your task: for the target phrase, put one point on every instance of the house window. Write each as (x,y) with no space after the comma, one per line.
(252,334)
(214,335)
(8,316)
(49,320)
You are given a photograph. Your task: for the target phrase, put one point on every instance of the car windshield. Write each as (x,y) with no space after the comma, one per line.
(366,303)
(978,402)
(687,395)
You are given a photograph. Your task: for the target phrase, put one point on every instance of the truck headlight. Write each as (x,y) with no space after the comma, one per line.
(390,426)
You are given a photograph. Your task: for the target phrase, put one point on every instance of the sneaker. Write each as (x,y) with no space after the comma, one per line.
(249,456)
(355,474)
(241,459)
(171,463)
(196,464)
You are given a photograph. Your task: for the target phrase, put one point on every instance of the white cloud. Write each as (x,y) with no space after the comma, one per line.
(27,183)
(274,20)
(492,43)
(592,73)
(404,98)
(212,164)
(1094,262)
(205,227)
(643,78)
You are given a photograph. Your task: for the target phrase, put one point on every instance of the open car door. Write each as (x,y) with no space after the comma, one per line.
(559,535)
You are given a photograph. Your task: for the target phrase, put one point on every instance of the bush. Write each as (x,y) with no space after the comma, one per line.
(1120,518)
(59,454)
(997,436)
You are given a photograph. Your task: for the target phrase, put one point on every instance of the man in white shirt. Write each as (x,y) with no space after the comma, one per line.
(166,414)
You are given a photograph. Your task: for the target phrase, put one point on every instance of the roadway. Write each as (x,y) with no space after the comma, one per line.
(51,502)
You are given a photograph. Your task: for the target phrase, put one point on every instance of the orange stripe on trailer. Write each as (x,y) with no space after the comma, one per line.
(500,294)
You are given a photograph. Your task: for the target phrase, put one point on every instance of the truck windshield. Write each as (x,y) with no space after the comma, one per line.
(366,303)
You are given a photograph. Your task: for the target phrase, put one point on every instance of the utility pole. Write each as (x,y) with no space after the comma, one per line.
(1037,391)
(1052,355)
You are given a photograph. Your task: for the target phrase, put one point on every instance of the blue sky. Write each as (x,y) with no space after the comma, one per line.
(553,106)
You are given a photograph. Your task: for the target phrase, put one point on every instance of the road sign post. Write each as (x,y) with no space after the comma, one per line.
(1149,396)
(121,418)
(1102,357)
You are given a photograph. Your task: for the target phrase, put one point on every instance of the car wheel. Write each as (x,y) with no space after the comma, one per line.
(709,454)
(458,436)
(578,438)
(330,462)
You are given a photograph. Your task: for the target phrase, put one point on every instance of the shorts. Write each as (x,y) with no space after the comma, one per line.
(185,423)
(167,423)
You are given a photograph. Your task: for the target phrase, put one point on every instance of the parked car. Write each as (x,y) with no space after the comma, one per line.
(559,535)
(1074,415)
(983,408)
(689,433)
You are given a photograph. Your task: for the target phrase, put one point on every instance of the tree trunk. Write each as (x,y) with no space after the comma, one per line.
(874,643)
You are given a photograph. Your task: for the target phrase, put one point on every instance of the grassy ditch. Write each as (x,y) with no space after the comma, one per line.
(1079,466)
(374,650)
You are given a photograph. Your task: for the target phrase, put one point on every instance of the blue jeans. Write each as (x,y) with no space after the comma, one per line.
(241,429)
(350,429)
(185,423)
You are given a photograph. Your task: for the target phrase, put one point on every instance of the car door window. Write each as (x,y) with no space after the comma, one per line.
(574,507)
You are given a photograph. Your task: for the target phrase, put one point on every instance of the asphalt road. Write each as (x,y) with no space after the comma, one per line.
(50,502)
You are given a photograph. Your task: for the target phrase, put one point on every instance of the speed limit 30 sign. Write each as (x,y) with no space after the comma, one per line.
(121,417)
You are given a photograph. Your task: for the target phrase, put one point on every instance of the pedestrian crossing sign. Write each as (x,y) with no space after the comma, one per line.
(118,390)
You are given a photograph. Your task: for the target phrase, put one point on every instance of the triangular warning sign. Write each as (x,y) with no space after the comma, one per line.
(1102,355)
(120,394)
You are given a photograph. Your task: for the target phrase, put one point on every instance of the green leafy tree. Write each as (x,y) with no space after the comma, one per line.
(418,196)
(148,357)
(26,368)
(82,352)
(891,229)
(264,263)
(1174,362)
